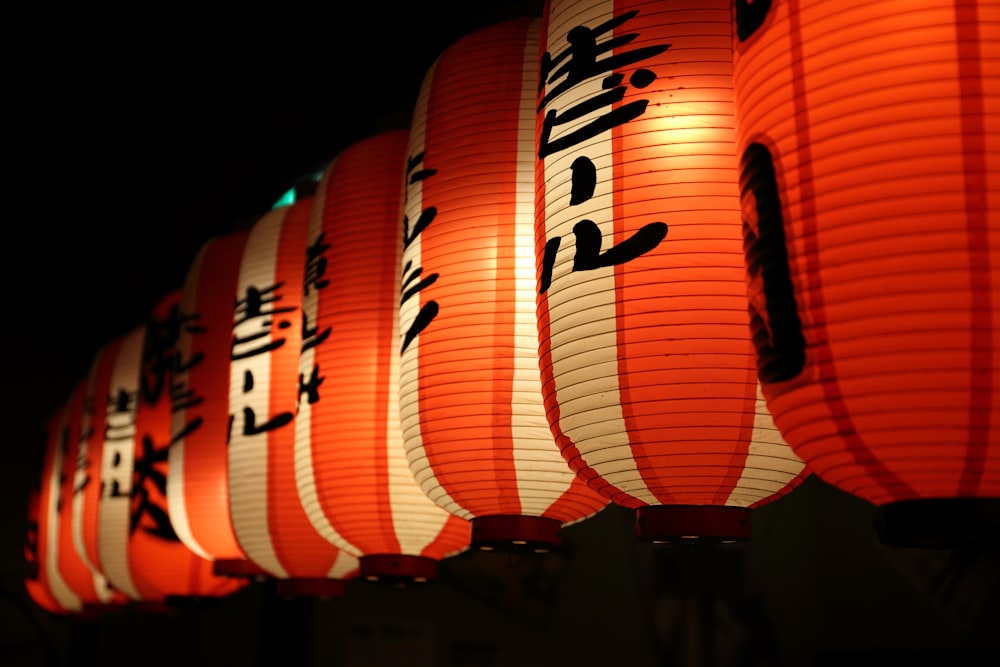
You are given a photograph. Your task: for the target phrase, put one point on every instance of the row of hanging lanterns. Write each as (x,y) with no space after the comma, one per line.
(613,241)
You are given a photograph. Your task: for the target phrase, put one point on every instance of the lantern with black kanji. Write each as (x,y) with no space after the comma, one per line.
(473,418)
(646,358)
(869,143)
(354,480)
(238,350)
(139,551)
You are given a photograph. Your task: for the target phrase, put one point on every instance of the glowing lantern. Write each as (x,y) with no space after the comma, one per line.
(139,552)
(198,485)
(36,582)
(237,501)
(473,419)
(93,588)
(354,481)
(647,363)
(52,587)
(869,140)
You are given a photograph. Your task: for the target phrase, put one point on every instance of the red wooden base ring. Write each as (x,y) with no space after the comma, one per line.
(397,569)
(515,533)
(692,523)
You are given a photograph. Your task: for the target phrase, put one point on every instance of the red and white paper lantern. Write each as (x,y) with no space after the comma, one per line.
(473,419)
(234,414)
(647,363)
(869,139)
(139,551)
(353,477)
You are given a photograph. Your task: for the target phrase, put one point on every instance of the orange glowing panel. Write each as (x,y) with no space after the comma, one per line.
(471,396)
(353,477)
(869,140)
(139,550)
(647,363)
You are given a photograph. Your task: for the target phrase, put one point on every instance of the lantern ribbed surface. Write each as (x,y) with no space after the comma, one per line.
(266,332)
(473,418)
(87,485)
(92,587)
(870,146)
(139,550)
(198,486)
(36,579)
(647,364)
(353,477)
(53,580)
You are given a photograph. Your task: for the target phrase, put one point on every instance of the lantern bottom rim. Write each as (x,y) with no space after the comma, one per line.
(939,522)
(667,524)
(514,533)
(397,569)
(238,567)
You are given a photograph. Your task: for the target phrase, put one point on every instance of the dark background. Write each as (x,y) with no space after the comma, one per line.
(132,140)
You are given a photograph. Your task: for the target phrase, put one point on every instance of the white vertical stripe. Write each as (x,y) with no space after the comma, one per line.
(118,464)
(542,473)
(770,463)
(590,404)
(248,454)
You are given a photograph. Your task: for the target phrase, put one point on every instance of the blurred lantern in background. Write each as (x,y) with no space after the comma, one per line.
(52,586)
(93,588)
(35,578)
(870,143)
(139,550)
(353,477)
(473,419)
(647,364)
(266,333)
(198,485)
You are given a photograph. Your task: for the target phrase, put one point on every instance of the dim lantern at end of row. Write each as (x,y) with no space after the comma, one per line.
(647,363)
(353,477)
(869,140)
(471,400)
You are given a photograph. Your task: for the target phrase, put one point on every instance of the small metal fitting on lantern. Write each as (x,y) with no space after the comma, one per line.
(672,524)
(398,569)
(515,534)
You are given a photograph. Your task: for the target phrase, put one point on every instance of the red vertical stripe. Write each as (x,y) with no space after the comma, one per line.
(973,112)
(826,378)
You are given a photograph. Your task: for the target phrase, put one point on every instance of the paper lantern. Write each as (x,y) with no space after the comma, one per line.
(53,590)
(237,501)
(35,578)
(139,551)
(95,592)
(198,485)
(353,477)
(647,362)
(869,139)
(473,419)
